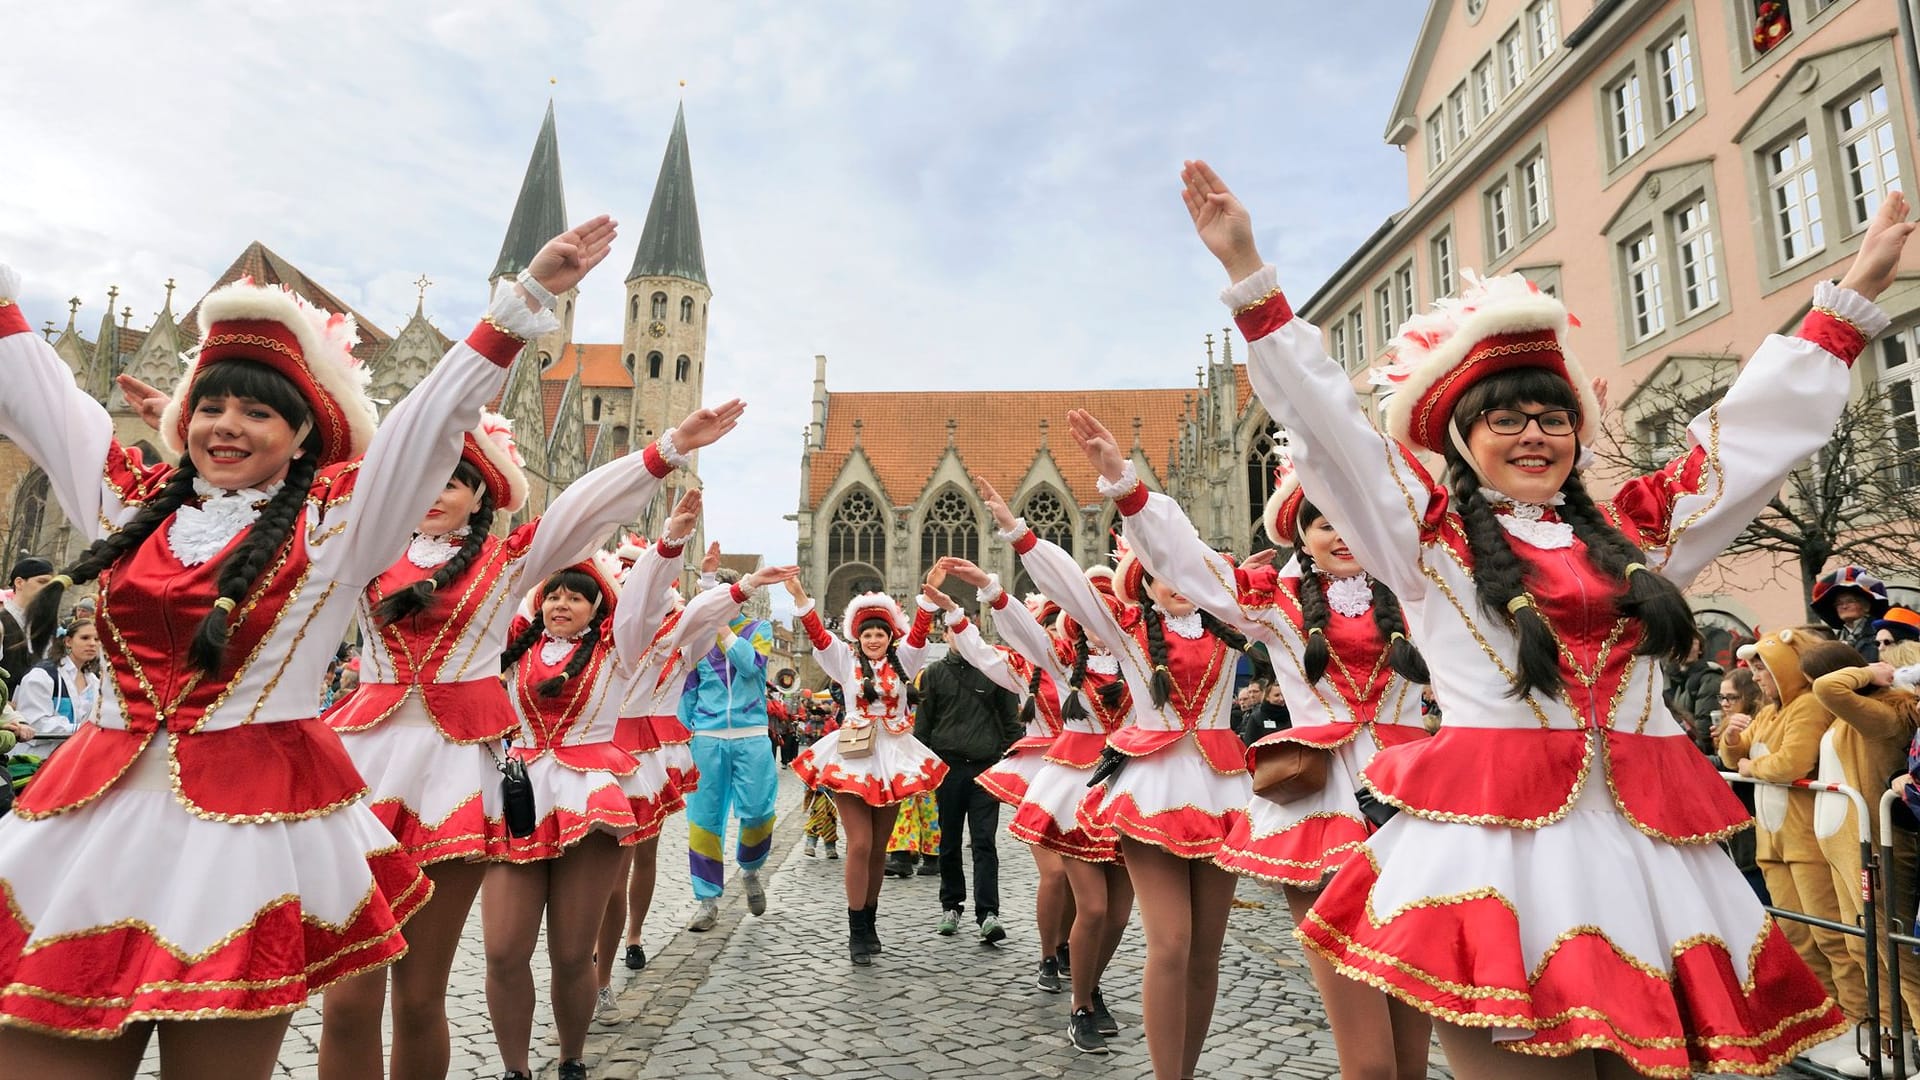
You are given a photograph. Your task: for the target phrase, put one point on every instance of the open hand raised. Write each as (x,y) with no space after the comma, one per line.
(964,570)
(685,513)
(767,575)
(704,427)
(566,258)
(1098,443)
(1218,216)
(996,505)
(1879,259)
(147,401)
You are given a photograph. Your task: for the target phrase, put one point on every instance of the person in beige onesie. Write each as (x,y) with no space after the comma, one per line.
(1874,723)
(1780,745)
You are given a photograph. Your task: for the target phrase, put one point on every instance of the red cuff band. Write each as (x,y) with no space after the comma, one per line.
(958,627)
(669,549)
(492,341)
(816,630)
(12,319)
(1263,316)
(739,594)
(1133,501)
(1000,601)
(1024,542)
(1837,336)
(657,463)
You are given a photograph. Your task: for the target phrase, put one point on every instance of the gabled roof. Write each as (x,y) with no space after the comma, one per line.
(670,242)
(1415,78)
(997,434)
(267,268)
(599,365)
(540,213)
(551,395)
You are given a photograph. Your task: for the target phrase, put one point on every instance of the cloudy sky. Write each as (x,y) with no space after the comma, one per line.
(935,196)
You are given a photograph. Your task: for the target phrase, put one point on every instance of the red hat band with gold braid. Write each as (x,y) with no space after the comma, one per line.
(490,449)
(1129,576)
(1281,514)
(1496,324)
(310,346)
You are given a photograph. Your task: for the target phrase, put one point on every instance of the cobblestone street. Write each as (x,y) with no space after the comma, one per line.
(776,996)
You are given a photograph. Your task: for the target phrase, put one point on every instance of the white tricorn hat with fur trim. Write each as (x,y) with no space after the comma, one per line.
(872,607)
(1281,515)
(490,448)
(1129,575)
(1495,324)
(632,546)
(311,346)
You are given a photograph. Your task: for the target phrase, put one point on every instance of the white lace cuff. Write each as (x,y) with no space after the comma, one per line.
(1250,288)
(510,313)
(954,617)
(707,581)
(927,605)
(804,608)
(1863,313)
(671,452)
(539,292)
(1010,535)
(991,591)
(1121,488)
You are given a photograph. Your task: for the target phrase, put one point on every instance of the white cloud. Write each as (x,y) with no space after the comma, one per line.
(934,196)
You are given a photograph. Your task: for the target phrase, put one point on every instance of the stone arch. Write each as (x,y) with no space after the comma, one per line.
(1049,513)
(686,309)
(660,305)
(682,366)
(845,583)
(29,516)
(654,360)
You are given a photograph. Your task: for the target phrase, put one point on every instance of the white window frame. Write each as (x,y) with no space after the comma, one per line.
(1437,138)
(1357,329)
(1543,31)
(1499,207)
(1867,178)
(1486,97)
(1674,75)
(1790,190)
(1440,251)
(1513,59)
(1383,309)
(1645,300)
(1459,118)
(1536,202)
(1626,117)
(1907,373)
(1698,286)
(1405,294)
(1337,342)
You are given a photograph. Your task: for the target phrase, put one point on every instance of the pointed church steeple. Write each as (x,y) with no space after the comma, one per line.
(670,242)
(540,214)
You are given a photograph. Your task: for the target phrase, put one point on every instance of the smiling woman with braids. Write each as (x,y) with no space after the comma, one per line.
(1182,785)
(430,705)
(1550,892)
(196,860)
(1352,678)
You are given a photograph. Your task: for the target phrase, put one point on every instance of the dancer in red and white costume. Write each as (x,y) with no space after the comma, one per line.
(225,583)
(651,641)
(430,708)
(1562,913)
(1184,783)
(1352,677)
(875,665)
(1095,702)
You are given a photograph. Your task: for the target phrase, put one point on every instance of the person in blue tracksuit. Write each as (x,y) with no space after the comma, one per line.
(725,707)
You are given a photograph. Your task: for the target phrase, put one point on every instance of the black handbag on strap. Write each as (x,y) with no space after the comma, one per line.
(516,797)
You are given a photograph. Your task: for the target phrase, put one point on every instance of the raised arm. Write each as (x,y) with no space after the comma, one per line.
(1011,619)
(1376,493)
(1781,409)
(62,428)
(1054,571)
(707,614)
(644,596)
(829,651)
(619,491)
(418,443)
(964,638)
(1164,538)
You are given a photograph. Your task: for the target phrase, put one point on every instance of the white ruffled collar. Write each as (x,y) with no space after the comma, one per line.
(1187,626)
(1350,596)
(555,649)
(428,552)
(1528,522)
(1104,663)
(198,533)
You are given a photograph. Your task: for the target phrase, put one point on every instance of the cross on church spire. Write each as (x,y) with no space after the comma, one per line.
(422,283)
(168,306)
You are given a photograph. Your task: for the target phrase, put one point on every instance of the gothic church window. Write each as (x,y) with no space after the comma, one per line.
(654,360)
(659,305)
(857,534)
(686,309)
(596,408)
(681,366)
(29,514)
(949,528)
(1262,456)
(633,310)
(1047,515)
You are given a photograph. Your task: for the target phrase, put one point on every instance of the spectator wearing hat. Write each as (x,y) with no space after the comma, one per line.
(1849,599)
(17,653)
(1897,625)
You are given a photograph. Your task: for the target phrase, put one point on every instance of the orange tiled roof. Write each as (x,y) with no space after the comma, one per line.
(592,437)
(602,365)
(550,397)
(997,434)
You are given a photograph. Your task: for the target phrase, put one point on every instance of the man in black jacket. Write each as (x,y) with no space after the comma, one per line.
(970,722)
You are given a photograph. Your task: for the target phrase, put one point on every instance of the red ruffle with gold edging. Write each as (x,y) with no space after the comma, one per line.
(1661,783)
(1461,962)
(474,711)
(603,757)
(92,984)
(1032,825)
(1301,855)
(609,809)
(1076,749)
(1334,736)
(1005,782)
(465,834)
(871,790)
(1220,747)
(1186,831)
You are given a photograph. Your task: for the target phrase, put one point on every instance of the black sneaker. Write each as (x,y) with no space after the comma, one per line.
(1103,1020)
(515,1074)
(1062,957)
(636,957)
(573,1070)
(1049,978)
(1084,1034)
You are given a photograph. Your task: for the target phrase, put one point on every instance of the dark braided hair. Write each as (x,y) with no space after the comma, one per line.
(415,598)
(242,566)
(1071,705)
(575,581)
(1402,656)
(1160,685)
(1032,704)
(1500,576)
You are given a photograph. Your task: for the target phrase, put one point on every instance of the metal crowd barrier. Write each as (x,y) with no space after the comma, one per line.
(1872,888)
(1896,937)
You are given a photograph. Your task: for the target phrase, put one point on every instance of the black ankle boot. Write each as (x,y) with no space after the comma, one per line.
(857,937)
(870,918)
